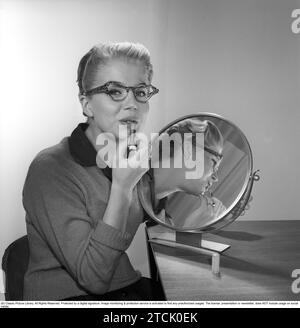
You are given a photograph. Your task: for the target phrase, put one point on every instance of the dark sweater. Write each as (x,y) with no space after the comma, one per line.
(72,251)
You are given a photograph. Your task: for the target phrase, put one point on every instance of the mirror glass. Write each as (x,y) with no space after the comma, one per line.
(200,177)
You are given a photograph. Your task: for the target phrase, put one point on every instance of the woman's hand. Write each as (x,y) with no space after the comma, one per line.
(131,169)
(127,171)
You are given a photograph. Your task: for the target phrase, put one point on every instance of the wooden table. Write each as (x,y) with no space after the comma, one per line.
(257,266)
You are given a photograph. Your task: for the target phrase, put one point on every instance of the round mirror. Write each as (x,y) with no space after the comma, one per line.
(200,176)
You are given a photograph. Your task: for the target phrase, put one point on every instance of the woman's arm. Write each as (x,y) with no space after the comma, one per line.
(56,206)
(117,209)
(124,179)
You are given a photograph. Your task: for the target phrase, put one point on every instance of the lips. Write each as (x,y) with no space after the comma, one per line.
(129,121)
(131,124)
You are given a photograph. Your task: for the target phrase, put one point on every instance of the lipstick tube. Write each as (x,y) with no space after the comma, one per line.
(131,143)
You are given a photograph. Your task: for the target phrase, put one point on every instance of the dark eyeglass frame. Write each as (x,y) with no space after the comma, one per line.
(104,89)
(213,152)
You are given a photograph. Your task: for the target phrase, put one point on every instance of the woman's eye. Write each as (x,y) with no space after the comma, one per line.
(141,93)
(115,92)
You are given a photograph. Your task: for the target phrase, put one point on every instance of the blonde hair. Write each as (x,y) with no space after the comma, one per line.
(213,139)
(101,53)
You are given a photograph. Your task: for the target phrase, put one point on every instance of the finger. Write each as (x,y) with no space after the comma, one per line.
(122,148)
(141,140)
(120,154)
(136,141)
(139,158)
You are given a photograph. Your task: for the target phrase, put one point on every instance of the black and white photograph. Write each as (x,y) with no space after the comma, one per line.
(149,155)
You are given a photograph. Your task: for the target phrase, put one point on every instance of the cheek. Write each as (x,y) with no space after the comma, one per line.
(144,110)
(143,113)
(104,108)
(105,115)
(209,168)
(206,175)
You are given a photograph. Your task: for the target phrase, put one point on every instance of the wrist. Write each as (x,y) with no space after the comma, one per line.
(122,190)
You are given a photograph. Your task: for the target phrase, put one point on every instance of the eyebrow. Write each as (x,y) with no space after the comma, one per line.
(213,152)
(142,83)
(122,84)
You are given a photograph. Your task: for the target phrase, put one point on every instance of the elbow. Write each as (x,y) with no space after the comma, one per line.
(94,272)
(93,281)
(94,284)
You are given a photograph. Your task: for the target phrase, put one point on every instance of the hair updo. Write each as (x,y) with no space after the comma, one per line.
(101,53)
(213,139)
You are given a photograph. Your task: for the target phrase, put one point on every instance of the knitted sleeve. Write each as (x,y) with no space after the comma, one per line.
(57,208)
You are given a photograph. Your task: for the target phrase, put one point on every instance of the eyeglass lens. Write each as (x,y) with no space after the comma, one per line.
(118,92)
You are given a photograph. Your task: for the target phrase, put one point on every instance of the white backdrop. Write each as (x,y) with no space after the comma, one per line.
(237,58)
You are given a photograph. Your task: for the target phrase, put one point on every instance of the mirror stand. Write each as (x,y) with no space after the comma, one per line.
(195,243)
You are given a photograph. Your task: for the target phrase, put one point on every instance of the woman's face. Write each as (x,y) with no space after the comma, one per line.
(175,179)
(208,178)
(211,166)
(109,115)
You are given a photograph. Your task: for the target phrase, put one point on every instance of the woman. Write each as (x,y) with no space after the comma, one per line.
(179,200)
(81,218)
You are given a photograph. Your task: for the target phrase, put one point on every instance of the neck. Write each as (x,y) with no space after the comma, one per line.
(92,135)
(163,185)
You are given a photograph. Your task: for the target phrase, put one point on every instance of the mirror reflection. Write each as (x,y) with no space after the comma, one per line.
(200,167)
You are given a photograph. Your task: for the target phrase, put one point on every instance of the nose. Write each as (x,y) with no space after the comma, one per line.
(130,101)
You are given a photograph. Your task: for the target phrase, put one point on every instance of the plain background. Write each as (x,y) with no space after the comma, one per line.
(236,58)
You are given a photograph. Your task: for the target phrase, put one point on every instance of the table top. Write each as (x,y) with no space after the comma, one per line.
(257,266)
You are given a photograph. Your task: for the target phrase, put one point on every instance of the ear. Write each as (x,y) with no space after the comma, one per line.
(86,106)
